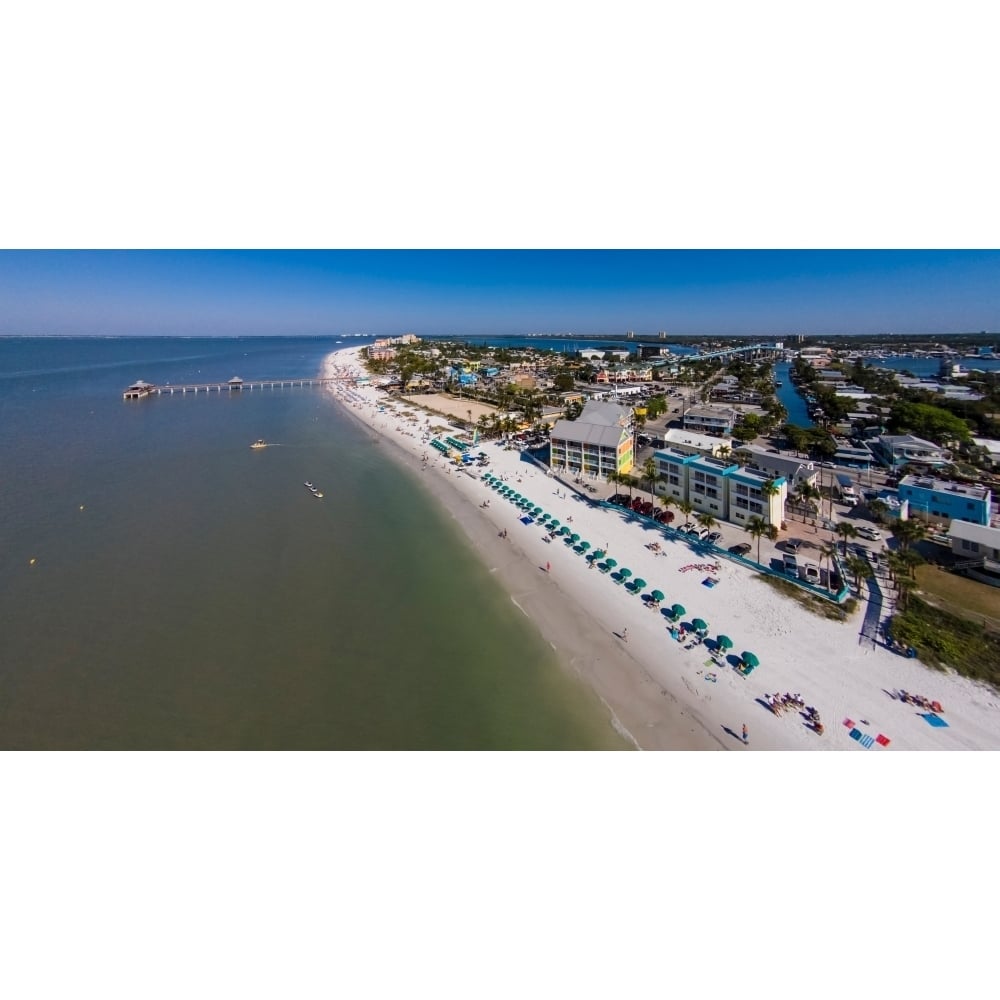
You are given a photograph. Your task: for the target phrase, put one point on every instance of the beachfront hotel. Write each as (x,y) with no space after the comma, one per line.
(721,488)
(599,442)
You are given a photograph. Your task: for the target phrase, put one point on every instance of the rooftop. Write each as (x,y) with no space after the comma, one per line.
(944,486)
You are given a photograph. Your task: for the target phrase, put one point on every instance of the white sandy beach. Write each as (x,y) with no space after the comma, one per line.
(662,694)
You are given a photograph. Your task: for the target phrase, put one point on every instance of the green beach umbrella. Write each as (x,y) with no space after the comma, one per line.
(555,522)
(564,530)
(584,546)
(657,595)
(611,562)
(624,573)
(750,659)
(574,537)
(724,642)
(638,583)
(545,517)
(536,511)
(678,610)
(599,553)
(699,625)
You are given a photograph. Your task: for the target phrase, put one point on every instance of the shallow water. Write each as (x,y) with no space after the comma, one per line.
(189,592)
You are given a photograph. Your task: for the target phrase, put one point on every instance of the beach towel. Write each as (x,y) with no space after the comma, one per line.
(709,582)
(855,734)
(935,720)
(527,520)
(849,723)
(710,677)
(866,741)
(882,740)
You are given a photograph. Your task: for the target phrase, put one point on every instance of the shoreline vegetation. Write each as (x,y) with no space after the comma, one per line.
(663,693)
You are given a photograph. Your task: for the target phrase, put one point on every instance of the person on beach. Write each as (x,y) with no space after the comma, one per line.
(624,635)
(746,735)
(548,567)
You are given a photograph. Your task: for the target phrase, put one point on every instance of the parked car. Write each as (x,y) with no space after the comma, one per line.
(740,550)
(793,544)
(872,534)
(714,536)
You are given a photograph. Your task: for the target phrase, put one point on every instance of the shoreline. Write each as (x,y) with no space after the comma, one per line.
(659,694)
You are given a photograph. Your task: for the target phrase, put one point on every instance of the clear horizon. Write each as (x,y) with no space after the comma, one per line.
(498,293)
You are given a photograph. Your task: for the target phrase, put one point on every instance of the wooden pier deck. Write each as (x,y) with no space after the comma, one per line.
(140,390)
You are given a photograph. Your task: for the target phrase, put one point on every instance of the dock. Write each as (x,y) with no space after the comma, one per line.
(139,390)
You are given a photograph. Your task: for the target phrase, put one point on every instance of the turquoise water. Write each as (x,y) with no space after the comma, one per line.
(189,592)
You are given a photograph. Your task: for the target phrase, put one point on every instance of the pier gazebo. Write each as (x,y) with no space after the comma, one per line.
(235,383)
(137,390)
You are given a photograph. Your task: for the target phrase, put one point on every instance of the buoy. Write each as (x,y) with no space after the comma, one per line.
(81,506)
(31,562)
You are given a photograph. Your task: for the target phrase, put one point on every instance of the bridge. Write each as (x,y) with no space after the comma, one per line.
(139,390)
(747,350)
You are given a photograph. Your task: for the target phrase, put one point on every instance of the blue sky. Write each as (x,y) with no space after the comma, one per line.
(696,293)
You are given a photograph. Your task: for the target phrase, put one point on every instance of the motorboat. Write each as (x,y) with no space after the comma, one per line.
(317,494)
(259,443)
(309,486)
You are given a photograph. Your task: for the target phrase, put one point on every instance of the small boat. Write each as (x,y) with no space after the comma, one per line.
(309,486)
(259,443)
(317,494)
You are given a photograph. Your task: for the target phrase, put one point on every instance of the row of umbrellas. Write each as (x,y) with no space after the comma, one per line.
(551,523)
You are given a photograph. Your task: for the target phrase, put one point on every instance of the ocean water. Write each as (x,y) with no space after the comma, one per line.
(162,585)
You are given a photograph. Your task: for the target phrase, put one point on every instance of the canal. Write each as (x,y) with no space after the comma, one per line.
(789,397)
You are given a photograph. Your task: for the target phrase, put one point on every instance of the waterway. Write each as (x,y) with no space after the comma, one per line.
(789,397)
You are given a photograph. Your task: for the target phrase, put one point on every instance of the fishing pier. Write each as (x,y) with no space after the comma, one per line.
(139,390)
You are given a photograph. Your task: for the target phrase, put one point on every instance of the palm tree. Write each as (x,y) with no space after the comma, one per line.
(806,494)
(896,564)
(904,585)
(706,521)
(846,531)
(860,568)
(757,526)
(649,471)
(685,507)
(723,451)
(878,509)
(768,489)
(910,560)
(667,501)
(828,551)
